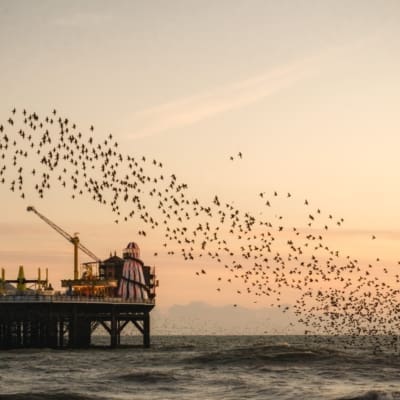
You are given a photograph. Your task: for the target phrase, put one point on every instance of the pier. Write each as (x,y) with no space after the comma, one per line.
(111,293)
(34,321)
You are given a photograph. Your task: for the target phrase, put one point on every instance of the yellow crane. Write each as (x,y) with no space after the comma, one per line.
(72,239)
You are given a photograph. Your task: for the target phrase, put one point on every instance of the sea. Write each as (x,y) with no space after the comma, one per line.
(207,367)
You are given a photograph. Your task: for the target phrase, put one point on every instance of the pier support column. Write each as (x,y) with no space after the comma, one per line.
(146,330)
(61,333)
(114,329)
(84,332)
(79,330)
(52,339)
(34,325)
(18,334)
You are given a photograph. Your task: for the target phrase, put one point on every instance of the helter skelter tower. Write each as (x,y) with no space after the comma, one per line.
(133,283)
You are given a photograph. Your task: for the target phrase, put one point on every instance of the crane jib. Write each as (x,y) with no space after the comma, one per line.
(72,239)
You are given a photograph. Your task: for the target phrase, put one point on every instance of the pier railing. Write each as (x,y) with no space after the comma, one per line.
(70,299)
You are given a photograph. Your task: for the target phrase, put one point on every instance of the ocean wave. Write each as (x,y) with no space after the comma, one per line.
(48,396)
(177,347)
(374,395)
(265,355)
(148,377)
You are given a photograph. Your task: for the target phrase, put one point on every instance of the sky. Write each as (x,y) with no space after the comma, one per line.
(306,91)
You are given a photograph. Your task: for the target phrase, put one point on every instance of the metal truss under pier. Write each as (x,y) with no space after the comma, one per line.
(68,322)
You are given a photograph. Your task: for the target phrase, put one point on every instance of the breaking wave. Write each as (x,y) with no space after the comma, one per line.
(48,396)
(374,395)
(148,377)
(266,355)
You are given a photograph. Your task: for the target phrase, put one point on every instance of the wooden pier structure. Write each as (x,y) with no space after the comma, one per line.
(34,321)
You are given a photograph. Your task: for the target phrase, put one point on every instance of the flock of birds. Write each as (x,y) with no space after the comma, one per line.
(332,293)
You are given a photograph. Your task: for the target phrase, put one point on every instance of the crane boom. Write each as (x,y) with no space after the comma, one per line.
(72,239)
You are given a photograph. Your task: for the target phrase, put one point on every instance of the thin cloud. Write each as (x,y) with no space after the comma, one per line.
(193,109)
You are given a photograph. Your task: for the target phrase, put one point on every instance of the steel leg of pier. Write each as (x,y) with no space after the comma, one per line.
(114,329)
(61,334)
(79,330)
(146,330)
(18,334)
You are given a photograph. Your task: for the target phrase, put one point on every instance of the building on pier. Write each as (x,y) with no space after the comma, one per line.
(113,293)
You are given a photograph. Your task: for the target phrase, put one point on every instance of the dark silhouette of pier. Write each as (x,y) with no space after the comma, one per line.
(36,321)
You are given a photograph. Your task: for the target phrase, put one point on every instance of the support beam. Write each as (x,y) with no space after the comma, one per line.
(114,329)
(138,326)
(105,326)
(123,325)
(146,329)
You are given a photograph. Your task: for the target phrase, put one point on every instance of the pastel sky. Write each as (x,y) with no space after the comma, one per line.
(307,91)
